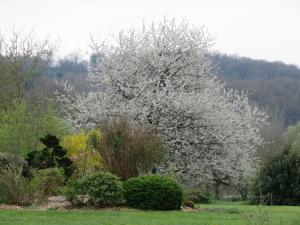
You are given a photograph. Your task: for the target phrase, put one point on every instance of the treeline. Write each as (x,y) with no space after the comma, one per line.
(243,68)
(273,86)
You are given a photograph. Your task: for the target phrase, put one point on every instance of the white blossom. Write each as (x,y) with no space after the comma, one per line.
(161,76)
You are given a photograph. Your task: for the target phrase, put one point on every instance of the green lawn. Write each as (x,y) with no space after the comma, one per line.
(211,214)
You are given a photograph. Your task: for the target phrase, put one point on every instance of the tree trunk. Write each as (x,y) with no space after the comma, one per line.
(243,193)
(217,190)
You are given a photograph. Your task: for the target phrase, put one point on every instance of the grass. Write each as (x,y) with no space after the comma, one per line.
(221,213)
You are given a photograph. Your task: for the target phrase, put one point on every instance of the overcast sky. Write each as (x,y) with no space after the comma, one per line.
(260,29)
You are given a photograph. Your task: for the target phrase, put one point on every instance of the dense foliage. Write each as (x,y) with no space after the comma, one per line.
(101,189)
(22,125)
(81,149)
(292,137)
(53,155)
(279,179)
(153,192)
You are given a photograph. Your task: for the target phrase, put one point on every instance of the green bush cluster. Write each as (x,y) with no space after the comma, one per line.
(47,167)
(46,183)
(45,172)
(14,187)
(14,173)
(279,179)
(41,175)
(101,189)
(153,192)
(14,161)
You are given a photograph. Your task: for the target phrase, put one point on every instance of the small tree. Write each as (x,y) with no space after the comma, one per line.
(22,60)
(279,178)
(129,150)
(53,155)
(292,137)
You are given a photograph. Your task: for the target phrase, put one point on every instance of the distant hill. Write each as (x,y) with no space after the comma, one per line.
(274,86)
(242,68)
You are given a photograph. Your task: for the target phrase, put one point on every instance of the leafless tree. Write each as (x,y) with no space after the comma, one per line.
(22,59)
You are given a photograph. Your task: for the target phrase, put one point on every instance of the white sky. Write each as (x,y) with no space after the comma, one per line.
(261,29)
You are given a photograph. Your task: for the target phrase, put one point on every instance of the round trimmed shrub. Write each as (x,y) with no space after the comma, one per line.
(101,189)
(153,192)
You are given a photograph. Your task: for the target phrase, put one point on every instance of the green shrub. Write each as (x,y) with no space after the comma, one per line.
(47,182)
(234,198)
(102,189)
(189,204)
(53,155)
(129,150)
(10,160)
(196,195)
(279,179)
(14,187)
(7,163)
(153,192)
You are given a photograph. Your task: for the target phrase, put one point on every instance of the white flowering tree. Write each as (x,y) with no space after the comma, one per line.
(160,76)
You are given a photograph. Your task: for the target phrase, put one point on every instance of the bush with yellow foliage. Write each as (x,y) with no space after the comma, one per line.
(81,150)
